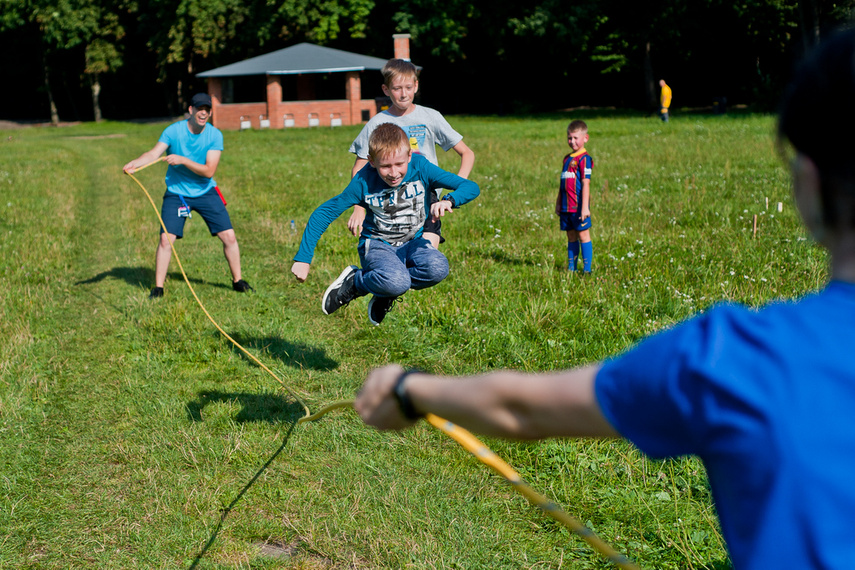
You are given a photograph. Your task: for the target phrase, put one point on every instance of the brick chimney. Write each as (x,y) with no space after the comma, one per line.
(402,46)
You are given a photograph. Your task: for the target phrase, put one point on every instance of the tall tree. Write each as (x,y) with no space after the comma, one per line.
(64,25)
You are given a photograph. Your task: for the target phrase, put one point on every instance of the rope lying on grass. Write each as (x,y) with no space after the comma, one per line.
(201,305)
(468,441)
(486,456)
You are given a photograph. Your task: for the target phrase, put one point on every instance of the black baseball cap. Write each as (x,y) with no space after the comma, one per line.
(201,100)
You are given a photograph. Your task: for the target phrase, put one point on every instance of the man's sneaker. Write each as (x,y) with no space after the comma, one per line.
(378,307)
(241,286)
(341,292)
(156,293)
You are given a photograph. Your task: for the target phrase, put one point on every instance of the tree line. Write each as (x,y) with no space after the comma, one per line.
(126,59)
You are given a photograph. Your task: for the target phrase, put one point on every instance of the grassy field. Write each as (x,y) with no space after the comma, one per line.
(135,436)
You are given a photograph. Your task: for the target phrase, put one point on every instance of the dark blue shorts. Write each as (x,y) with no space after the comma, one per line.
(209,205)
(572,221)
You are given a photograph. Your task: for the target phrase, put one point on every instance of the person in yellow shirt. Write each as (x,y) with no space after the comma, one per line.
(664,100)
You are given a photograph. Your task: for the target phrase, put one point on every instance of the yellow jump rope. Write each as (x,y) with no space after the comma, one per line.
(468,441)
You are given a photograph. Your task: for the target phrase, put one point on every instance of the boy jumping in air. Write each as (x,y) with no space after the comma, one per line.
(425,128)
(394,189)
(573,205)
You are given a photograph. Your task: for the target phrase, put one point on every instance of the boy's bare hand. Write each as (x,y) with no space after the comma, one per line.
(585,213)
(439,209)
(354,224)
(300,270)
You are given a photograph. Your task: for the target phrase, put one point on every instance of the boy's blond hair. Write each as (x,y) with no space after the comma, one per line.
(395,68)
(576,126)
(387,139)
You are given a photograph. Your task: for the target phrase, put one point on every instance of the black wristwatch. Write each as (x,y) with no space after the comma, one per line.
(450,198)
(404,402)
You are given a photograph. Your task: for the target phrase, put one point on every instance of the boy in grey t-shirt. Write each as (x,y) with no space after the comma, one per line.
(425,128)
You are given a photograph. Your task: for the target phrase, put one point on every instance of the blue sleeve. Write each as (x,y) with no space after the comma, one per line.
(325,214)
(217,141)
(462,190)
(587,166)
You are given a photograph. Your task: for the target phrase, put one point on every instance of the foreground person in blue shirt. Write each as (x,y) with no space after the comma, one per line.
(395,257)
(763,397)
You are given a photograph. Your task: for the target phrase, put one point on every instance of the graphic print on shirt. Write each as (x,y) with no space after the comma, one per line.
(417,135)
(398,212)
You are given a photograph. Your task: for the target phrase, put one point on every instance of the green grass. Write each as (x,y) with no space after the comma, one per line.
(135,436)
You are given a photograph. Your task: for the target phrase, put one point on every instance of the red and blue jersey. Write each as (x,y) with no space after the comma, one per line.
(577,167)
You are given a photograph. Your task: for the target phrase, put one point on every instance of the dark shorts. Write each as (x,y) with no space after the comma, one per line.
(431,226)
(572,221)
(209,205)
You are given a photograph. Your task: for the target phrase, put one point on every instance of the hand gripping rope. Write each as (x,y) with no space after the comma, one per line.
(468,441)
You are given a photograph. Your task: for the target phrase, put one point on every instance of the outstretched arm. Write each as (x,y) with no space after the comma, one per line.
(508,404)
(146,157)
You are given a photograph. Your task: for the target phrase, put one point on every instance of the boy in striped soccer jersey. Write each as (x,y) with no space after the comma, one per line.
(573,205)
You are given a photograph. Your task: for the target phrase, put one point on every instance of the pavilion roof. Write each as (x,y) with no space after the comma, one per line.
(298,59)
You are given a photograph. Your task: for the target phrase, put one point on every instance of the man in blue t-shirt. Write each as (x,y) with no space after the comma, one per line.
(193,150)
(762,397)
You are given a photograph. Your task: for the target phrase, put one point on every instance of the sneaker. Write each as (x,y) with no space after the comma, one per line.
(378,307)
(156,293)
(241,286)
(341,292)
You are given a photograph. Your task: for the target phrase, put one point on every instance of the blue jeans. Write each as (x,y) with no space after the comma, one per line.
(391,271)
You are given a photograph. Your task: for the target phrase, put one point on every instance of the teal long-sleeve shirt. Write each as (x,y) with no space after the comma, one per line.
(394,215)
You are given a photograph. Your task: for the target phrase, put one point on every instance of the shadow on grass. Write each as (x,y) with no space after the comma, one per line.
(294,354)
(268,408)
(144,277)
(504,258)
(228,509)
(136,276)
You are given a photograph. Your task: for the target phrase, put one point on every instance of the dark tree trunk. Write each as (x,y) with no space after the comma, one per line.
(649,81)
(96,97)
(809,19)
(54,114)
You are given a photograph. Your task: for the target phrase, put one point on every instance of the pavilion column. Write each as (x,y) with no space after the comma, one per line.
(353,92)
(274,99)
(215,90)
